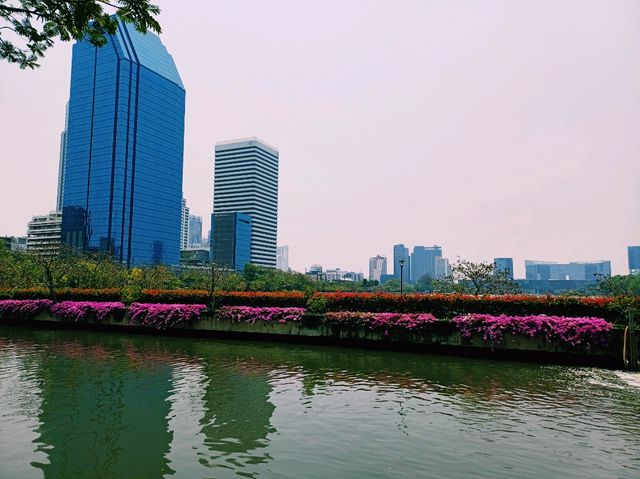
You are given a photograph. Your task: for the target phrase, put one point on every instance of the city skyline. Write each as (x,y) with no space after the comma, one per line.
(531,141)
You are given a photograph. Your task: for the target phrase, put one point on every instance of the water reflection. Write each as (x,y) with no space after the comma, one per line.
(105,405)
(101,416)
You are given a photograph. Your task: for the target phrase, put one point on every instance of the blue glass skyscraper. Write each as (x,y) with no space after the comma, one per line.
(231,240)
(400,251)
(124,150)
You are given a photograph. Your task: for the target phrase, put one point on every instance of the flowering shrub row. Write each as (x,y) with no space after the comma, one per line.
(24,308)
(248,314)
(383,321)
(164,316)
(452,305)
(81,311)
(440,305)
(66,294)
(586,332)
(231,298)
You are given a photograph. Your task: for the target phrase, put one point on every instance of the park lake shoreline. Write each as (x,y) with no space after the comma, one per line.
(441,337)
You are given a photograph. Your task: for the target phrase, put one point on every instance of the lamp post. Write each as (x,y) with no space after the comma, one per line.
(401,262)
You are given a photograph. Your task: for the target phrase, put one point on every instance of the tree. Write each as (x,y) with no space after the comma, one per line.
(468,277)
(34,24)
(215,280)
(97,270)
(424,284)
(54,267)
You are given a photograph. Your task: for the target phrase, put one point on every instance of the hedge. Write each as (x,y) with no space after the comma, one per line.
(446,306)
(442,306)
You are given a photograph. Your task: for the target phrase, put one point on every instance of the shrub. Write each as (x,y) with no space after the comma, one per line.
(69,294)
(317,305)
(452,305)
(164,316)
(559,330)
(81,311)
(26,308)
(232,298)
(383,321)
(248,314)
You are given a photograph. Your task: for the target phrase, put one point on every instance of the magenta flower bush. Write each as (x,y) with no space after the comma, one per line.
(25,308)
(247,314)
(560,330)
(383,321)
(164,316)
(81,311)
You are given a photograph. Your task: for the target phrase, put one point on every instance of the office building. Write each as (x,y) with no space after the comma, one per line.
(582,271)
(442,267)
(423,261)
(184,225)
(633,253)
(316,272)
(196,256)
(377,267)
(282,258)
(231,240)
(503,265)
(246,181)
(43,234)
(14,243)
(195,231)
(62,161)
(122,171)
(401,252)
(352,276)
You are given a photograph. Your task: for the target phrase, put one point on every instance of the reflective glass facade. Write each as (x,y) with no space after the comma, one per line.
(504,264)
(231,240)
(124,150)
(400,251)
(423,261)
(545,270)
(634,259)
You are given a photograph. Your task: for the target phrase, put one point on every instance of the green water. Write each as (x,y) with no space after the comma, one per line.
(96,405)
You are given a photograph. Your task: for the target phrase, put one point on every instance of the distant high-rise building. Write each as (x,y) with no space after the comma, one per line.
(63,160)
(195,231)
(423,261)
(184,225)
(442,267)
(14,243)
(231,240)
(547,270)
(316,272)
(401,252)
(123,154)
(504,264)
(377,267)
(633,253)
(43,234)
(352,276)
(282,258)
(246,181)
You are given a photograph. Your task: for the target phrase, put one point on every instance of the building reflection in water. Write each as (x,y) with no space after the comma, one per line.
(102,418)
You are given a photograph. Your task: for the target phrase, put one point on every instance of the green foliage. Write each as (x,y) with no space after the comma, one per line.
(425,285)
(619,285)
(259,278)
(481,278)
(317,305)
(37,23)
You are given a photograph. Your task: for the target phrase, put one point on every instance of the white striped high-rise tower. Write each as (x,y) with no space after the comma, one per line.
(246,181)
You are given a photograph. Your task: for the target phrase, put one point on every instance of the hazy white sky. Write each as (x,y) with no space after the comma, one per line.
(491,128)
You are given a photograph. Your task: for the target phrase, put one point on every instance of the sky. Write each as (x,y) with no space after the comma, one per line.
(491,128)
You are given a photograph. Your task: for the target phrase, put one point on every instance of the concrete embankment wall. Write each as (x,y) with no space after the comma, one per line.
(441,338)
